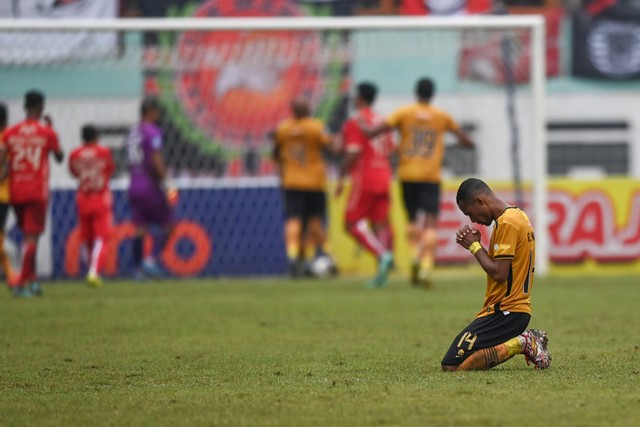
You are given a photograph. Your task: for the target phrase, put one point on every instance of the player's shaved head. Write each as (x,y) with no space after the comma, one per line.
(149,105)
(425,89)
(33,99)
(4,116)
(300,108)
(470,188)
(367,92)
(89,133)
(34,103)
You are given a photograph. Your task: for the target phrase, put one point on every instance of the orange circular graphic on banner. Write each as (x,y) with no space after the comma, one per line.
(236,85)
(72,253)
(173,261)
(197,260)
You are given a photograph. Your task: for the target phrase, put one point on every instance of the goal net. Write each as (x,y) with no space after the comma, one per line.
(224,84)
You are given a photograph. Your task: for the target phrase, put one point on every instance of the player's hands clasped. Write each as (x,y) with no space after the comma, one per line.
(466,235)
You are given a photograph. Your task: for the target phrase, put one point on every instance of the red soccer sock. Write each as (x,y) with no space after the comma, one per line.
(361,232)
(28,272)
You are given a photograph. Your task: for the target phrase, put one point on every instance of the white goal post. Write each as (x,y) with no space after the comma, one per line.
(533,24)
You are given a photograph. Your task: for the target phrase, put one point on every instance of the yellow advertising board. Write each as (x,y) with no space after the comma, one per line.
(594,225)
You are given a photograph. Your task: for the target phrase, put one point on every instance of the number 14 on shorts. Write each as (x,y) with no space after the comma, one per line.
(469,339)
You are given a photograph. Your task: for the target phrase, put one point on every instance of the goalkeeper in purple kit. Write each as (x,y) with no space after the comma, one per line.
(151,202)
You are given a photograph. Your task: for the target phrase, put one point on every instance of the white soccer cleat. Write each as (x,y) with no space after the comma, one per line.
(535,348)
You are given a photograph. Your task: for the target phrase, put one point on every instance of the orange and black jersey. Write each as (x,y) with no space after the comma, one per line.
(299,146)
(512,238)
(422,128)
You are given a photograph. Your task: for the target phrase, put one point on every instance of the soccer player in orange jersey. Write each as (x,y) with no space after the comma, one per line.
(93,165)
(367,161)
(299,144)
(4,206)
(498,332)
(27,146)
(422,128)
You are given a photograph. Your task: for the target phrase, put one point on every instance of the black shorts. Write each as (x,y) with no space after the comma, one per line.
(485,332)
(4,213)
(421,196)
(305,204)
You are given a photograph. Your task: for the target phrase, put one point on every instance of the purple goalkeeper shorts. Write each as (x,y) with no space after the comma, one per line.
(150,208)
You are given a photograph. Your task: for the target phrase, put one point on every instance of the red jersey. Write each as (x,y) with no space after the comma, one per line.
(93,165)
(28,145)
(371,172)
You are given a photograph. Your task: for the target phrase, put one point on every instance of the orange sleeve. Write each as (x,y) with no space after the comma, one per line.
(451,123)
(505,241)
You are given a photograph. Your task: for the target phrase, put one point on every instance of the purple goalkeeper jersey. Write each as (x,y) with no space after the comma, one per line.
(144,139)
(148,201)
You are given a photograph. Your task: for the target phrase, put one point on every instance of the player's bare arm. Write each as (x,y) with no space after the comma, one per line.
(349,160)
(73,170)
(373,130)
(275,154)
(159,170)
(463,138)
(4,163)
(112,167)
(334,144)
(58,155)
(497,269)
(275,149)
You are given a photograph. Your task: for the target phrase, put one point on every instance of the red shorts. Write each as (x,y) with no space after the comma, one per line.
(96,225)
(367,205)
(32,216)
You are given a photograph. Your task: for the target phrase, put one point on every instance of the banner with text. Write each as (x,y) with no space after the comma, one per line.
(597,221)
(233,231)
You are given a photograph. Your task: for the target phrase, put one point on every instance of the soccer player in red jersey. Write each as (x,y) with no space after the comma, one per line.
(367,161)
(422,128)
(26,147)
(93,165)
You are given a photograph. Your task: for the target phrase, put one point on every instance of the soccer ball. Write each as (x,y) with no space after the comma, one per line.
(322,266)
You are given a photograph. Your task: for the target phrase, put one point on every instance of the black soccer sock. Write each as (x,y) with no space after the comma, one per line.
(138,244)
(160,242)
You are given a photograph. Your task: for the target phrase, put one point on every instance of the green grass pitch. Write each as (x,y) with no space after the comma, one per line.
(310,353)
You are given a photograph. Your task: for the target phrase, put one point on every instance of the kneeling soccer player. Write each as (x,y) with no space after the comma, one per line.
(499,331)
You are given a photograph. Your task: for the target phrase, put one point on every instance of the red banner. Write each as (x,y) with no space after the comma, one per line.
(484,54)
